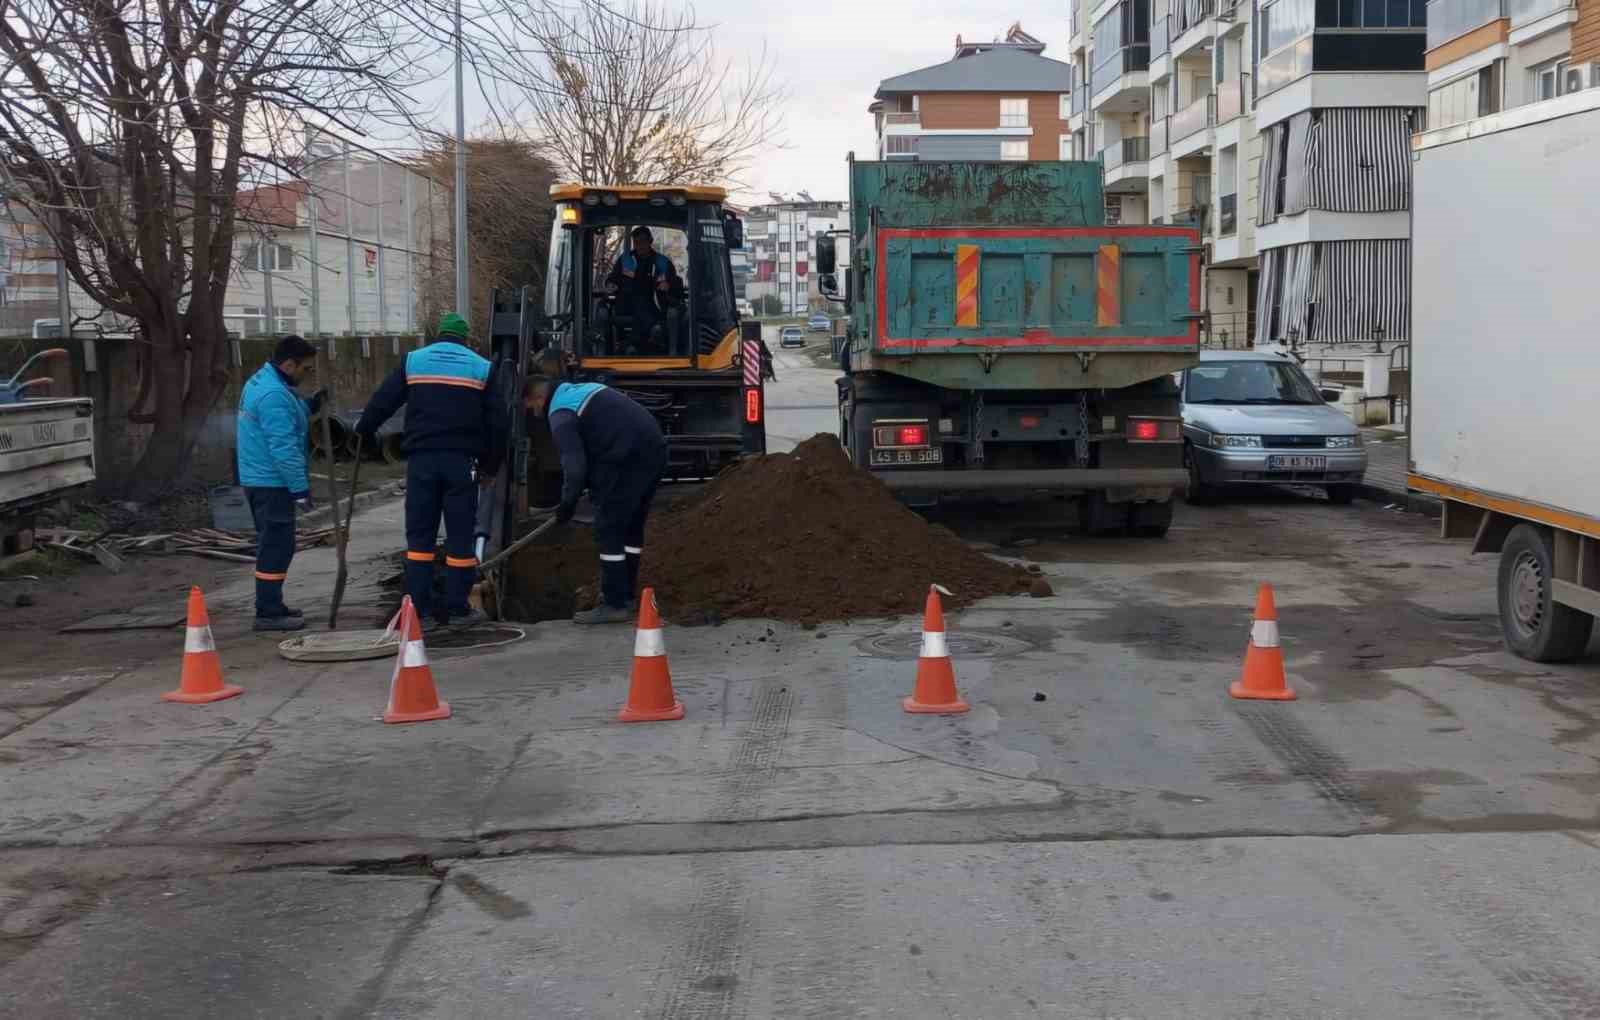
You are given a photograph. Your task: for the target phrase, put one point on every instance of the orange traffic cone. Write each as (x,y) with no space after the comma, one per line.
(412,696)
(1263,677)
(650,697)
(202,667)
(936,676)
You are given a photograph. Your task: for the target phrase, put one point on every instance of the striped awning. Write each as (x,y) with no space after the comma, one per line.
(1362,287)
(1271,167)
(1297,182)
(1360,160)
(1186,14)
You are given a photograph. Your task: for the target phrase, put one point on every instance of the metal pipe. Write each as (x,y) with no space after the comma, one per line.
(462,293)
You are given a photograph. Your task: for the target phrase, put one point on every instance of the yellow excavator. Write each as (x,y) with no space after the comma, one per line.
(686,356)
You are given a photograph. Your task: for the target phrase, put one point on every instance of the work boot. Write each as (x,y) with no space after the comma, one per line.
(470,618)
(274,623)
(603,614)
(292,611)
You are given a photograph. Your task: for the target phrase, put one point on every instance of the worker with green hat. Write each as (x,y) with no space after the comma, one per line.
(453,419)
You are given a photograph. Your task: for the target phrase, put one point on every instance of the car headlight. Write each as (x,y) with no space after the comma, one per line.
(1343,442)
(1236,442)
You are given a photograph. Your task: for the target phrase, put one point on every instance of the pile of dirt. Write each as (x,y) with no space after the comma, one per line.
(802,536)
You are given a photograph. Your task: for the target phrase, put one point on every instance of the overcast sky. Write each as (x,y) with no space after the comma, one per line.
(832,54)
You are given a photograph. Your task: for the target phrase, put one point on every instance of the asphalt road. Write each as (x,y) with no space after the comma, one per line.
(1106,834)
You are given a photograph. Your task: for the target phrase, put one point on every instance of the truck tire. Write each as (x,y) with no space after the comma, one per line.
(1100,517)
(1535,626)
(1151,520)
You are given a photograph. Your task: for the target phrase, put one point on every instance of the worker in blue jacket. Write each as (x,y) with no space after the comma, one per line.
(614,448)
(453,418)
(646,285)
(271,438)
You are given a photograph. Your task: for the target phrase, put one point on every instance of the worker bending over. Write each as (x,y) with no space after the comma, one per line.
(452,419)
(271,437)
(613,447)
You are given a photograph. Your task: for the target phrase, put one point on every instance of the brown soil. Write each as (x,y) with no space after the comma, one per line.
(802,536)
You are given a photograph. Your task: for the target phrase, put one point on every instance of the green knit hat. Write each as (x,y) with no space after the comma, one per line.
(451,324)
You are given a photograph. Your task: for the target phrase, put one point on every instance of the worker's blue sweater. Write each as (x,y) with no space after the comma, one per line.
(450,404)
(594,425)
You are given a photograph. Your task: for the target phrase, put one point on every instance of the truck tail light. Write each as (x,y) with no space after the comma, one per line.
(1154,430)
(900,435)
(752,406)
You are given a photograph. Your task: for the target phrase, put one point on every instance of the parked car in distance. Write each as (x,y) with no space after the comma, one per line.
(1254,418)
(790,336)
(819,323)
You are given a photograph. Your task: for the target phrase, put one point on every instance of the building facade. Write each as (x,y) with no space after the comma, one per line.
(1485,56)
(1001,100)
(780,249)
(1280,129)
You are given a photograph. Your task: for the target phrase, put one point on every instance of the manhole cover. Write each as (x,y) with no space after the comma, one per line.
(490,635)
(965,645)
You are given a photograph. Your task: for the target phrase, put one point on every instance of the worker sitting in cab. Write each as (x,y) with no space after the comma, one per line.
(649,292)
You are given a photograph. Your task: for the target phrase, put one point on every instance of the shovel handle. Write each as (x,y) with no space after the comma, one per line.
(483,568)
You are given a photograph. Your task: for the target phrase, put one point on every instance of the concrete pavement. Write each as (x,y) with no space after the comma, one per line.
(1105,834)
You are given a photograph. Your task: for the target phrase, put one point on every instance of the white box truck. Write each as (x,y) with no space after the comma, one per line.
(1506,357)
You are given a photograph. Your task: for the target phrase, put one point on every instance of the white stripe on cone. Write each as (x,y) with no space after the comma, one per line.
(413,654)
(649,644)
(198,639)
(933,645)
(1264,634)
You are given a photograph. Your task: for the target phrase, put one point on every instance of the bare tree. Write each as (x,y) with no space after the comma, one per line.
(129,128)
(635,92)
(508,221)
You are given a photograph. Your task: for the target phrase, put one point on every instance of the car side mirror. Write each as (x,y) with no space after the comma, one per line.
(827,257)
(828,284)
(733,230)
(1330,396)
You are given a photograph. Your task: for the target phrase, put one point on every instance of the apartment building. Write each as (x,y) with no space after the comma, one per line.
(781,243)
(1485,56)
(1000,100)
(1281,130)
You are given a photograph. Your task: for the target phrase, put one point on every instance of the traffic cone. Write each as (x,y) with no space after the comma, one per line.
(412,696)
(650,697)
(1263,677)
(936,676)
(202,667)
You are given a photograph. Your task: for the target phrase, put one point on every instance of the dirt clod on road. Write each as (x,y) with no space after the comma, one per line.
(801,536)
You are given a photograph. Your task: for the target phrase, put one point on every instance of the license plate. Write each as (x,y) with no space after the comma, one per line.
(888,458)
(1288,463)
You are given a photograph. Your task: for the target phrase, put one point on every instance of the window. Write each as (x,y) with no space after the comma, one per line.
(269,258)
(1553,80)
(901,145)
(1013,113)
(254,321)
(1014,151)
(1066,147)
(1066,105)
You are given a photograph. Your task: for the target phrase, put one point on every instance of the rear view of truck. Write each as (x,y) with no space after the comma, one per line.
(1504,357)
(1005,342)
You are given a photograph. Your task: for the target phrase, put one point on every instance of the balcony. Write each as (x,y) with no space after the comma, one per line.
(1230,100)
(1080,96)
(1191,125)
(1128,150)
(1189,29)
(1122,82)
(1448,19)
(1158,136)
(912,120)
(1194,216)
(1126,166)
(1228,215)
(1159,29)
(1524,11)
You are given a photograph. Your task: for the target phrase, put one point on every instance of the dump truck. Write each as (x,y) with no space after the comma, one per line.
(1502,352)
(1005,342)
(696,365)
(46,450)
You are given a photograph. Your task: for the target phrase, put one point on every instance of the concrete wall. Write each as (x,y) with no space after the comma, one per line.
(356,367)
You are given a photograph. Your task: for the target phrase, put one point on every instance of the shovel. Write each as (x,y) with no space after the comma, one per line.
(343,530)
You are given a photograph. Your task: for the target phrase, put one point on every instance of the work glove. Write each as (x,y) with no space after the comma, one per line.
(315,401)
(303,502)
(565,512)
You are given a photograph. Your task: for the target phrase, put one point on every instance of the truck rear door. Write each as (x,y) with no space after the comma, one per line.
(968,290)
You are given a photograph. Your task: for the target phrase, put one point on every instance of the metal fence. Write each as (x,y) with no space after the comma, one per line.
(354,242)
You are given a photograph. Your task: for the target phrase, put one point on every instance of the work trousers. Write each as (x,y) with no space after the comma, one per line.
(622,493)
(273,511)
(440,483)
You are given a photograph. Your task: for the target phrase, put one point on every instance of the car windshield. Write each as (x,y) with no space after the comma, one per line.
(1250,382)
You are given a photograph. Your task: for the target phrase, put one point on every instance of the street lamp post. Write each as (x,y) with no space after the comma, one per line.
(462,306)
